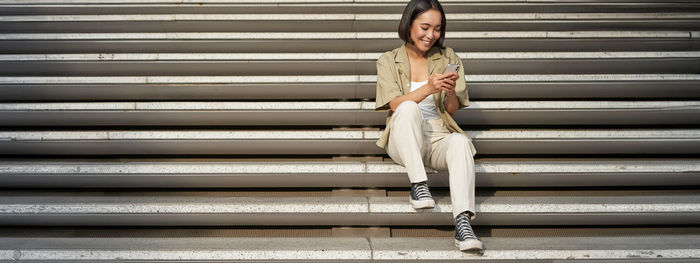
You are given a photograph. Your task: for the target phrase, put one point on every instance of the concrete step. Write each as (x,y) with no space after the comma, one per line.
(342,113)
(513,44)
(337,7)
(362,56)
(518,87)
(334,22)
(617,34)
(115,64)
(446,231)
(339,142)
(357,16)
(246,42)
(283,3)
(611,207)
(632,249)
(286,173)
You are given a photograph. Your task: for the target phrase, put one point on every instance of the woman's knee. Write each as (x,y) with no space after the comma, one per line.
(458,141)
(408,106)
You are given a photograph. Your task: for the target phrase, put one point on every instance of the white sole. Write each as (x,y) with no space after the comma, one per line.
(469,245)
(422,204)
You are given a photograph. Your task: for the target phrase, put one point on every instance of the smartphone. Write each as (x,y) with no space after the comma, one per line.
(451,68)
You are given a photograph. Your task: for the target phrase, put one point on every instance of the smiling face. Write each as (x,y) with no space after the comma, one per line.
(426,30)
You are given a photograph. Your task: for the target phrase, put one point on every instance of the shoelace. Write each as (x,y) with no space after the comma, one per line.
(463,228)
(420,191)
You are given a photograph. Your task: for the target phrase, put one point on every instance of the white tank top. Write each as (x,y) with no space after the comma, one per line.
(427,105)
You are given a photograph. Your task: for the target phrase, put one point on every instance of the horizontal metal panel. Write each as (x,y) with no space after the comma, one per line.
(325,56)
(280,2)
(304,25)
(289,79)
(348,45)
(357,16)
(669,141)
(679,35)
(489,173)
(540,210)
(649,89)
(249,91)
(341,113)
(326,67)
(587,146)
(206,147)
(394,7)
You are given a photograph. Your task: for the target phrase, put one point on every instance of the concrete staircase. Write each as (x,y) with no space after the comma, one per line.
(167,130)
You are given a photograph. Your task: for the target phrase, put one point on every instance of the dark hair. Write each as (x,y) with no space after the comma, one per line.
(415,8)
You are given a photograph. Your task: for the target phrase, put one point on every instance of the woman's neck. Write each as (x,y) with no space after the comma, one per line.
(414,52)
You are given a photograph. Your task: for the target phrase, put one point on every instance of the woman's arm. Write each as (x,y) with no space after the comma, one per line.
(451,100)
(451,103)
(416,96)
(435,82)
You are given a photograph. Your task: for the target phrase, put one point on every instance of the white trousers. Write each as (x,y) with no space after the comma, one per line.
(415,142)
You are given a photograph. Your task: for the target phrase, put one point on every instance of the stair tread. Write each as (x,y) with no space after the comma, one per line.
(335,79)
(351,134)
(152,203)
(348,35)
(336,105)
(279,249)
(232,166)
(107,57)
(453,17)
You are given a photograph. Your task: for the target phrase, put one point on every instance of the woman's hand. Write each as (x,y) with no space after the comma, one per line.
(435,83)
(439,82)
(447,82)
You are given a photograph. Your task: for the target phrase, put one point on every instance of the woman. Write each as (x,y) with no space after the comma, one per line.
(421,101)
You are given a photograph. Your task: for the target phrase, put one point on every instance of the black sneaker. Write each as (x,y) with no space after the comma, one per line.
(420,196)
(464,234)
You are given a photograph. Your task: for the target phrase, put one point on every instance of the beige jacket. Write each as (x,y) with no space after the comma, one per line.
(394,80)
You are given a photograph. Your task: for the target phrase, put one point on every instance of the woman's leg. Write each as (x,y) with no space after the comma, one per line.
(454,153)
(407,143)
(407,146)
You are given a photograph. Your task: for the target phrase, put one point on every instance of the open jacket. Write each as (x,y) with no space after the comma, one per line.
(394,80)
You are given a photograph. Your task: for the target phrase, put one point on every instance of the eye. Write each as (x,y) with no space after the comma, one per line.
(424,28)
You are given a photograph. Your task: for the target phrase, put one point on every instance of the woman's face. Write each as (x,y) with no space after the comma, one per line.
(426,29)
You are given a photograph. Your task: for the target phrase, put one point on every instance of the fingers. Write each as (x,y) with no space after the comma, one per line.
(443,82)
(451,75)
(455,76)
(448,82)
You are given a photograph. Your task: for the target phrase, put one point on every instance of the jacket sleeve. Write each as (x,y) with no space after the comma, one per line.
(387,83)
(461,85)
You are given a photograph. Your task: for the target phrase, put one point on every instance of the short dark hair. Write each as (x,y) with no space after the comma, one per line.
(415,8)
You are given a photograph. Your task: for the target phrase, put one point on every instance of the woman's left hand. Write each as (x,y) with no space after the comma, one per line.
(448,84)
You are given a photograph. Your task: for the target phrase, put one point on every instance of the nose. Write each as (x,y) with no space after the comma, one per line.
(432,34)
